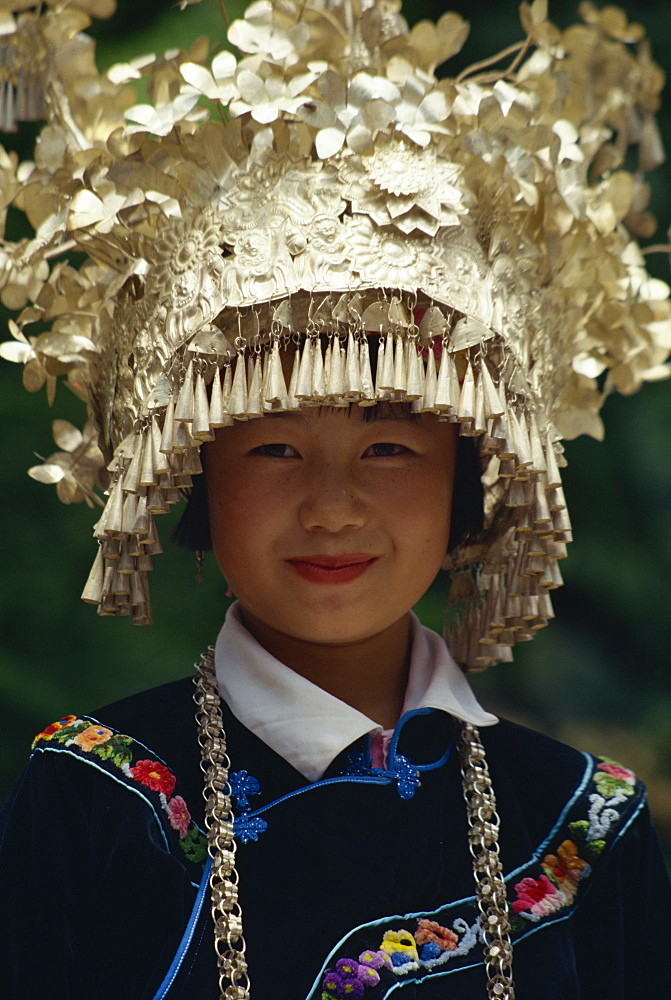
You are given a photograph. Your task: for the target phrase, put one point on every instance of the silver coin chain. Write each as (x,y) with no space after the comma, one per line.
(483,840)
(483,821)
(229,943)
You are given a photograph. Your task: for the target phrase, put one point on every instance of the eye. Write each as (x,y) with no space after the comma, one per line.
(384,449)
(276,451)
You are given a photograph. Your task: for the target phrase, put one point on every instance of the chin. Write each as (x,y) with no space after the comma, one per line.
(336,630)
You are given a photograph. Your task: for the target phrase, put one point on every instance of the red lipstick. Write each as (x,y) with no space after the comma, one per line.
(332,569)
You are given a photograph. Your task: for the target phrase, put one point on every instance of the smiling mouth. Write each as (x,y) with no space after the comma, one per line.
(333,569)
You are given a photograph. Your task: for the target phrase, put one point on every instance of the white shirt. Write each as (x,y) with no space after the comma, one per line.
(306,725)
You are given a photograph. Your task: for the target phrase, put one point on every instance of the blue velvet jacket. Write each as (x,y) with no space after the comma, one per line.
(358,885)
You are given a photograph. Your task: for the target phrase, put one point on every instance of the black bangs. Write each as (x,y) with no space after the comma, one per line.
(384,410)
(193,528)
(468,510)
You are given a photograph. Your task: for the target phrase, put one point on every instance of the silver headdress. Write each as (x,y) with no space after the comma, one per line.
(321,187)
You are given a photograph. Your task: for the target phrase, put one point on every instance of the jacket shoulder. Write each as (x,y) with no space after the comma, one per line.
(137,744)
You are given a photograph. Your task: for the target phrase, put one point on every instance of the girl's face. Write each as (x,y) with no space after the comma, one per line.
(327,526)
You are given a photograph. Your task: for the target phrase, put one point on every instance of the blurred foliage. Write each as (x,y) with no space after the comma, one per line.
(597,678)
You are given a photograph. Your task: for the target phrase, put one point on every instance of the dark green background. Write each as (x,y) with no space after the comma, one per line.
(597,677)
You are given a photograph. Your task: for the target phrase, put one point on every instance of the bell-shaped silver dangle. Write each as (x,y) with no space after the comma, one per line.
(400,370)
(525,442)
(368,395)
(93,588)
(447,390)
(430,381)
(353,381)
(254,407)
(114,510)
(303,386)
(168,427)
(494,406)
(386,381)
(553,476)
(517,444)
(380,393)
(480,419)
(538,464)
(200,427)
(129,513)
(293,403)
(334,372)
(160,459)
(219,396)
(517,494)
(131,477)
(317,390)
(466,405)
(274,386)
(142,518)
(414,388)
(184,405)
(181,438)
(237,404)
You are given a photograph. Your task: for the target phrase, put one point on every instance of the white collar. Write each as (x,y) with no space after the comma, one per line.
(306,725)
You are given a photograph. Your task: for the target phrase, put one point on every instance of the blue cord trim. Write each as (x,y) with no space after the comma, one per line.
(393,743)
(187,937)
(438,763)
(366,779)
(396,764)
(420,982)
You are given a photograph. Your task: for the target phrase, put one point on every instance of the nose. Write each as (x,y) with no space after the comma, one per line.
(332,500)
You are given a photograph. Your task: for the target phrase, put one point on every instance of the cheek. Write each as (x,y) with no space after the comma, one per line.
(419,521)
(225,533)
(430,506)
(227,504)
(242,521)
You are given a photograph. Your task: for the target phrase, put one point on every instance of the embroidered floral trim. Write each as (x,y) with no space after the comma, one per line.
(426,947)
(435,939)
(155,776)
(120,752)
(91,738)
(556,886)
(351,977)
(401,952)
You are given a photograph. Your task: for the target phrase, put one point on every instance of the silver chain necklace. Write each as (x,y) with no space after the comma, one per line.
(483,822)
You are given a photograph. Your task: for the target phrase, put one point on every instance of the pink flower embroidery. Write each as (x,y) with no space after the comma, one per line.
(179,816)
(615,771)
(537,896)
(155,776)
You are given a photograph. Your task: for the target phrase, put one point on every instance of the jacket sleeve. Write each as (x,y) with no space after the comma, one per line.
(623,927)
(93,902)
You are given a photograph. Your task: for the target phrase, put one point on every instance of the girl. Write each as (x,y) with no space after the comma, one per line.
(378,301)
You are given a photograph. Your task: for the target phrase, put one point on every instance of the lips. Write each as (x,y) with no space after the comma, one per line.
(333,569)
